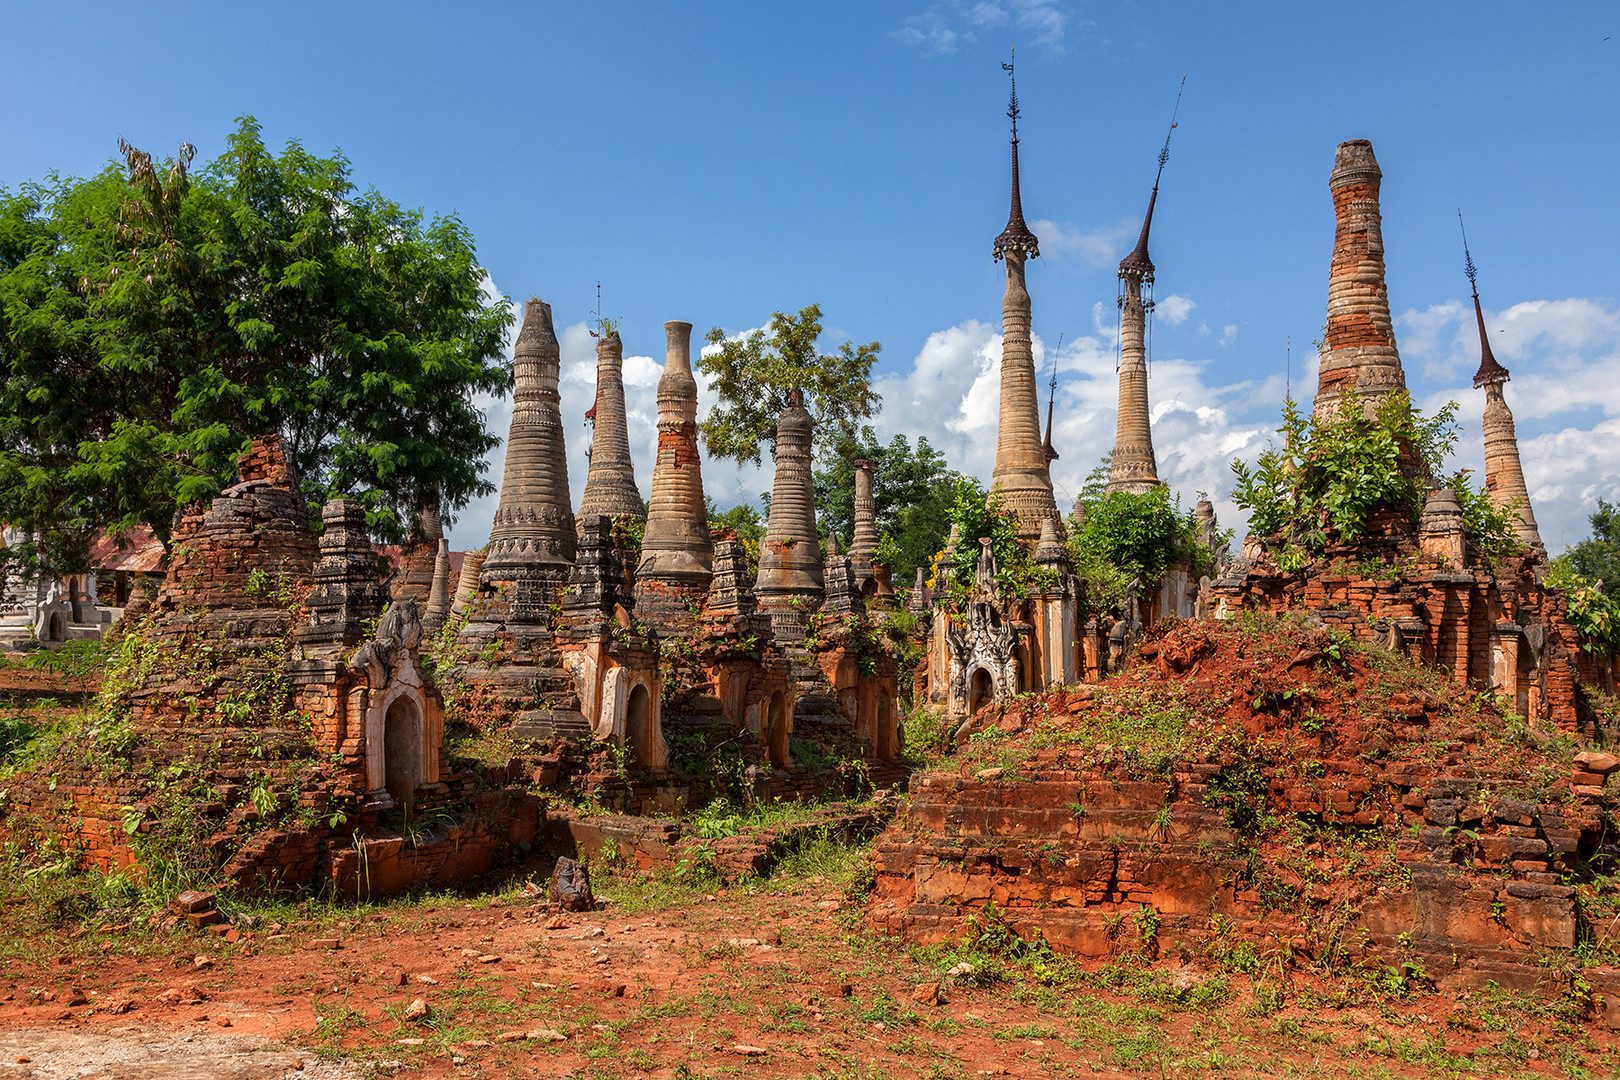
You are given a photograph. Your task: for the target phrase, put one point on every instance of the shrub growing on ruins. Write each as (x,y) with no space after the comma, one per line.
(1597,558)
(1126,536)
(976,516)
(1332,474)
(153,318)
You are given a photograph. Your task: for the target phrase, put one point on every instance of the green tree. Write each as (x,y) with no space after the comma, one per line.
(1126,536)
(753,375)
(912,491)
(742,519)
(154,319)
(1597,558)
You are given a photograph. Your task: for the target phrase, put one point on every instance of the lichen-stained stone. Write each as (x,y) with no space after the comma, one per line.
(790,585)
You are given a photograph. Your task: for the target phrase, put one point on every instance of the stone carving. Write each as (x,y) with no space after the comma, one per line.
(987,645)
(1358,347)
(52,614)
(347,593)
(610,486)
(984,573)
(731,593)
(391,653)
(1209,534)
(570,887)
(843,596)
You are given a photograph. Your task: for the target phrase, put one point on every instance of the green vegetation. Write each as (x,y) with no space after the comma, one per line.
(912,492)
(1127,536)
(753,375)
(1331,476)
(154,318)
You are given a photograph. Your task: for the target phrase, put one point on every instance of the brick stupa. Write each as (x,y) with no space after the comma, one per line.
(790,584)
(1358,347)
(1133,466)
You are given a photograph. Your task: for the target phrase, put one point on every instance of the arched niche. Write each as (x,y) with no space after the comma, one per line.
(402,749)
(777,725)
(981,690)
(638,725)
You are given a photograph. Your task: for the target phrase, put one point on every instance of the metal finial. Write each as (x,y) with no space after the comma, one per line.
(1051,397)
(1468,259)
(1012,102)
(1164,154)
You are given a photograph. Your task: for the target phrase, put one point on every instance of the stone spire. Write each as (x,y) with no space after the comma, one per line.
(1358,346)
(676,546)
(1021,473)
(438,601)
(1134,467)
(865,540)
(1504,475)
(790,554)
(533,532)
(610,487)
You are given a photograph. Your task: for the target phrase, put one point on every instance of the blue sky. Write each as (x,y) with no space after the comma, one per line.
(715,162)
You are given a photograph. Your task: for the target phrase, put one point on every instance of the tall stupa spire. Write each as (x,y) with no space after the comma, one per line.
(1504,474)
(790,585)
(610,486)
(1358,345)
(1021,475)
(533,532)
(1133,466)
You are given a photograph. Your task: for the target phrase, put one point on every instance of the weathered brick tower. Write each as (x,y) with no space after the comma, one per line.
(1504,475)
(677,556)
(610,486)
(1021,472)
(1358,346)
(1134,467)
(790,586)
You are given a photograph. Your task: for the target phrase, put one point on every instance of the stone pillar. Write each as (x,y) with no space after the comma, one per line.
(348,592)
(1358,346)
(790,584)
(610,486)
(676,553)
(1134,467)
(532,538)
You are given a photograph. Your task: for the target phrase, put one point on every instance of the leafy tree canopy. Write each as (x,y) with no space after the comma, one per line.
(754,374)
(1126,536)
(912,490)
(154,319)
(742,519)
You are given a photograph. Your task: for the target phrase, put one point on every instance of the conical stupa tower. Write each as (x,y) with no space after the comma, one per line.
(790,584)
(1358,346)
(533,532)
(1021,473)
(865,539)
(1504,475)
(610,486)
(677,556)
(1134,467)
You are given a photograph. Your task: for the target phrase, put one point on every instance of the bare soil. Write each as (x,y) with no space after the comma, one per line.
(765,979)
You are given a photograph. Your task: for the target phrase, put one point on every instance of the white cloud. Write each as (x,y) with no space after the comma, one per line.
(1097,247)
(1228,333)
(946,26)
(1173,309)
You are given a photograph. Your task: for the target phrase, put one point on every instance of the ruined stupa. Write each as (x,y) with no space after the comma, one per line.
(1134,467)
(1021,474)
(1504,475)
(532,538)
(610,486)
(865,539)
(790,585)
(677,556)
(1358,345)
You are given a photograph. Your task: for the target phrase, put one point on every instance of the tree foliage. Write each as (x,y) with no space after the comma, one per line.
(753,375)
(977,516)
(154,319)
(1127,536)
(1597,558)
(1331,476)
(912,491)
(746,522)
